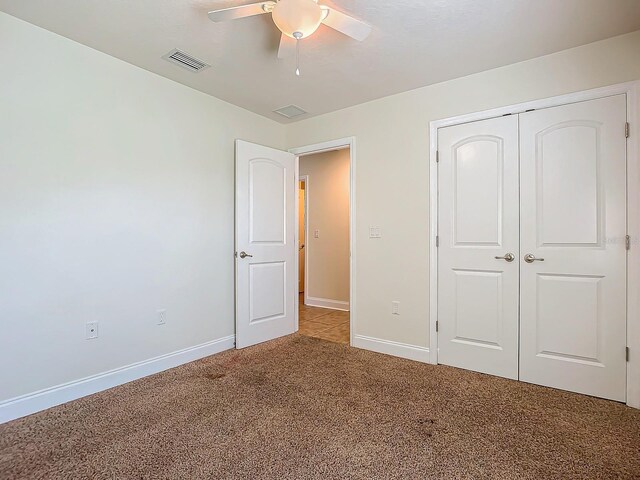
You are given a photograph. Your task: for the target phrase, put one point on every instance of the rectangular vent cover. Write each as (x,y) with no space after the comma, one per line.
(185,60)
(290,111)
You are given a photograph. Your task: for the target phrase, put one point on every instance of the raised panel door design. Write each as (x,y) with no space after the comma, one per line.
(478,204)
(267,195)
(569,209)
(566,330)
(266,286)
(478,303)
(267,291)
(573,199)
(478,221)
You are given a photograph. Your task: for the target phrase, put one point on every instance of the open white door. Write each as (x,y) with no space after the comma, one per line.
(266,277)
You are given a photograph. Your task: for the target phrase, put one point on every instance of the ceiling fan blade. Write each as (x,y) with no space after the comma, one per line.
(287,47)
(345,24)
(241,11)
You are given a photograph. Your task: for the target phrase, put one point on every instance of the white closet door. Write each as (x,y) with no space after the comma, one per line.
(478,224)
(573,215)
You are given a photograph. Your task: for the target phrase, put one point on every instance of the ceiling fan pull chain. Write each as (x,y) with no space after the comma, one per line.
(297,36)
(297,57)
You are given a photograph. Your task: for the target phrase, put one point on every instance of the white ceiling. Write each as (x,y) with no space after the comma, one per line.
(414,43)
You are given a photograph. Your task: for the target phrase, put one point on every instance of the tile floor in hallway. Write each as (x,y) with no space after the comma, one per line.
(324,323)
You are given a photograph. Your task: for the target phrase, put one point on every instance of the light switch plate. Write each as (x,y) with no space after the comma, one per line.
(395,307)
(374,232)
(316,234)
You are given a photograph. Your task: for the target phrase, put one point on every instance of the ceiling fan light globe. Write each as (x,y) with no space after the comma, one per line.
(292,16)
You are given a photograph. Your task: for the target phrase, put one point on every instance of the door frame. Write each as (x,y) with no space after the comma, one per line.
(632,91)
(306,233)
(339,144)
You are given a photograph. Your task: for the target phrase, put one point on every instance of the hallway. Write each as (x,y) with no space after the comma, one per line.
(324,323)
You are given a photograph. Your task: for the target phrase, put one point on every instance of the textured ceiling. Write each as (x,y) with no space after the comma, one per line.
(414,43)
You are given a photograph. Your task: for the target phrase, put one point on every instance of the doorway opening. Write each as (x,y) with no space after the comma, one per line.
(324,244)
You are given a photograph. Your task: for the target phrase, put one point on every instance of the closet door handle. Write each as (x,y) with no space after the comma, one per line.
(509,257)
(530,258)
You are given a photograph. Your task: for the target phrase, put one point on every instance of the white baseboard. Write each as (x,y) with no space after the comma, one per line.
(327,303)
(404,350)
(50,397)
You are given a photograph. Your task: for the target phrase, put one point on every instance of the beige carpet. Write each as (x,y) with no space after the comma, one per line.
(301,408)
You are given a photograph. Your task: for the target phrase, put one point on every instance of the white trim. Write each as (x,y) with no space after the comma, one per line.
(433,250)
(50,397)
(397,349)
(296,241)
(340,144)
(631,89)
(621,88)
(326,303)
(633,257)
(306,236)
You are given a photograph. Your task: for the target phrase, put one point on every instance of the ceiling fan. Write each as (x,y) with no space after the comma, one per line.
(296,19)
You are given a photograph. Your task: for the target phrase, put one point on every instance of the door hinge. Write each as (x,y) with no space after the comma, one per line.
(626,352)
(437,156)
(627,242)
(436,325)
(626,130)
(437,241)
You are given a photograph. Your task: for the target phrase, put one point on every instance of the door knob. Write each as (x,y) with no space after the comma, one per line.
(509,257)
(530,258)
(301,246)
(245,255)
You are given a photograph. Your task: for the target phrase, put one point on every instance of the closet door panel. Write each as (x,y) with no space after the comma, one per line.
(573,225)
(478,226)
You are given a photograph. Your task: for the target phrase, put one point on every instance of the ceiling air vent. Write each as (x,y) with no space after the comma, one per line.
(185,60)
(290,111)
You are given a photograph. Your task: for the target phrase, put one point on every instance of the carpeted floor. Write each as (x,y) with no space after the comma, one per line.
(301,407)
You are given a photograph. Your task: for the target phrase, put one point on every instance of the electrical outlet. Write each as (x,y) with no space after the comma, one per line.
(395,307)
(162,317)
(91,330)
